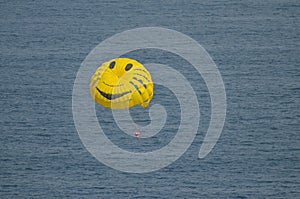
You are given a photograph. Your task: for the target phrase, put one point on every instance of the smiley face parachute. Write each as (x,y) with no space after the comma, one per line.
(121,83)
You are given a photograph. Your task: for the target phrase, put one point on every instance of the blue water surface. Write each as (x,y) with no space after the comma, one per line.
(255,45)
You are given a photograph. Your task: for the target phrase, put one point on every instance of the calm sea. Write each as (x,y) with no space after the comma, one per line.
(255,45)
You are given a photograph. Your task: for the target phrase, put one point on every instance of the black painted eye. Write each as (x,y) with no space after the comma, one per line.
(112,65)
(128,67)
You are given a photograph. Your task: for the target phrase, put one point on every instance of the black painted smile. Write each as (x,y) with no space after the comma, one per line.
(112,96)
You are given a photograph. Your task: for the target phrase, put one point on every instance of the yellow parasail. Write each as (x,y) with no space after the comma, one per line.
(122,83)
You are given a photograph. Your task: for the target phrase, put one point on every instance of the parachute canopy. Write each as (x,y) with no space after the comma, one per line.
(122,83)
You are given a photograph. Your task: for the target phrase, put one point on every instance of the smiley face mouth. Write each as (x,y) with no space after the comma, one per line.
(112,96)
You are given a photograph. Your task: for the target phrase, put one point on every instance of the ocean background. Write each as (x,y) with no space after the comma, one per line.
(256,46)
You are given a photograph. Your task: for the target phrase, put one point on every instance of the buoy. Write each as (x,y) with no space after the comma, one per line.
(137,134)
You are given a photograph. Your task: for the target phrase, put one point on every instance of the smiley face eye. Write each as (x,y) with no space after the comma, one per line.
(112,65)
(128,67)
